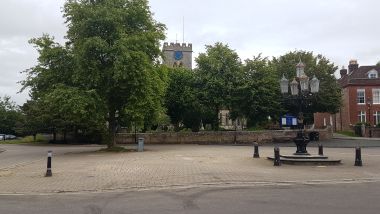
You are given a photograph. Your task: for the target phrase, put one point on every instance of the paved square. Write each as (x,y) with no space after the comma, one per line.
(180,166)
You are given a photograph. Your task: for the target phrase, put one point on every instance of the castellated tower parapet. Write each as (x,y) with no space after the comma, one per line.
(175,46)
(178,54)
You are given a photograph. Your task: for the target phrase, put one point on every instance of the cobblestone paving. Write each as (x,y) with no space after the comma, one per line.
(178,166)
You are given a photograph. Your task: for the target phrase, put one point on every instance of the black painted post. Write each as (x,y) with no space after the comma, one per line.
(256,153)
(277,161)
(358,157)
(48,171)
(320,149)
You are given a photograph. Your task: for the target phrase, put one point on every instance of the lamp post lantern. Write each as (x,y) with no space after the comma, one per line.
(284,84)
(300,87)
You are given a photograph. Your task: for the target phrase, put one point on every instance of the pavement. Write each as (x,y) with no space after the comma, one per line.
(82,169)
(17,155)
(344,137)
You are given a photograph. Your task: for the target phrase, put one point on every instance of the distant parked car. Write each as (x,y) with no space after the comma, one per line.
(10,137)
(7,137)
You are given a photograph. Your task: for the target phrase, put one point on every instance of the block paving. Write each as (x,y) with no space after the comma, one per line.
(180,166)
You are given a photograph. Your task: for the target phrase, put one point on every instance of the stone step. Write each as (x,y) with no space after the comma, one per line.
(304,156)
(300,161)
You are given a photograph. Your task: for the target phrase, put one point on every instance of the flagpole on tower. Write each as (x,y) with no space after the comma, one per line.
(183,29)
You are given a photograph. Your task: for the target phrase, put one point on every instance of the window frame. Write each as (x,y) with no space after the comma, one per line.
(361,115)
(376,117)
(373,74)
(377,99)
(358,98)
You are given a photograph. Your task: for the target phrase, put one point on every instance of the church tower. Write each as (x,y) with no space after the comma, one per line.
(178,55)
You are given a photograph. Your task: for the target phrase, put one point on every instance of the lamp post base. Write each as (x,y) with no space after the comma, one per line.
(301,142)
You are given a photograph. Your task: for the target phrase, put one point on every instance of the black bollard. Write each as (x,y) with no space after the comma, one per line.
(277,161)
(256,153)
(358,157)
(48,171)
(320,149)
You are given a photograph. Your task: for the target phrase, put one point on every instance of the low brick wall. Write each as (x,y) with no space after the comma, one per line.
(372,132)
(221,137)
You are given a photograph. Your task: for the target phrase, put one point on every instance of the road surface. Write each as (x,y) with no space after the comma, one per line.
(293,199)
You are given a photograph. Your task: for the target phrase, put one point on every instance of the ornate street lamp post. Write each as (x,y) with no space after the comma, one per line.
(301,87)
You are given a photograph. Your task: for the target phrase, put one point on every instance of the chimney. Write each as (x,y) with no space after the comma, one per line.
(353,65)
(343,72)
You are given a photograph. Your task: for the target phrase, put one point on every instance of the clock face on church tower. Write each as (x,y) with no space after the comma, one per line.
(178,55)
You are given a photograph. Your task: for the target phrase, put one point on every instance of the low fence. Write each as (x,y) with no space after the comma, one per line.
(372,132)
(216,137)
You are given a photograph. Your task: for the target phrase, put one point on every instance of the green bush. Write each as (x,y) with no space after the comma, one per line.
(361,123)
(27,139)
(185,130)
(30,139)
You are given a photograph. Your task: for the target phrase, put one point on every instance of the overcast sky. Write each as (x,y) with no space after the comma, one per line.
(339,29)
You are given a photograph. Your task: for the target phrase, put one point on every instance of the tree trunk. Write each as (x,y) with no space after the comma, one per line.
(216,120)
(34,137)
(64,136)
(54,136)
(111,129)
(76,140)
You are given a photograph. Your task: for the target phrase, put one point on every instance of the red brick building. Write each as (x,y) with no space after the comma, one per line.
(361,98)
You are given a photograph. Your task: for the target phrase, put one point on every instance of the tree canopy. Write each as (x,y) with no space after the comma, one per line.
(219,70)
(256,97)
(222,81)
(10,116)
(182,99)
(107,69)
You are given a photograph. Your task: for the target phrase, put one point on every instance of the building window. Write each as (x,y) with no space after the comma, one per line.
(360,96)
(372,74)
(227,118)
(361,116)
(376,96)
(376,117)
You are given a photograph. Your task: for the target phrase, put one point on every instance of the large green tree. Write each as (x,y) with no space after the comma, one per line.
(182,99)
(328,99)
(55,69)
(10,116)
(219,69)
(37,118)
(257,95)
(108,64)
